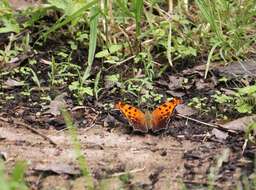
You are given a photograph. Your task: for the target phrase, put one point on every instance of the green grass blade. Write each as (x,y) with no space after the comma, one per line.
(138,7)
(92,41)
(207,9)
(123,6)
(63,21)
(77,148)
(17,177)
(96,85)
(169,40)
(209,59)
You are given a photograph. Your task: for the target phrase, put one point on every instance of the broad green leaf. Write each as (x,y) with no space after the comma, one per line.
(102,54)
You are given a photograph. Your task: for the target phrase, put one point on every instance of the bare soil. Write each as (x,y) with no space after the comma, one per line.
(153,162)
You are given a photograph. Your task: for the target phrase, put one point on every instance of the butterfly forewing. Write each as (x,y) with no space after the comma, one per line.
(162,114)
(135,117)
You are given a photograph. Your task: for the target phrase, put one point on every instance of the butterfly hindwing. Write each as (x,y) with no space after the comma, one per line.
(161,115)
(135,117)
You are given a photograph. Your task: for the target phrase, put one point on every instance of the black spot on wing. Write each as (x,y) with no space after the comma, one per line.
(171,106)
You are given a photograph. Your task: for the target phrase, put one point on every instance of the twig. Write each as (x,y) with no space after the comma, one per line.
(35,131)
(172,149)
(83,107)
(128,172)
(121,62)
(217,126)
(31,129)
(92,123)
(244,146)
(197,135)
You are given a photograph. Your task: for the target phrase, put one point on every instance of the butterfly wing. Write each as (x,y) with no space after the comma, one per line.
(162,114)
(135,117)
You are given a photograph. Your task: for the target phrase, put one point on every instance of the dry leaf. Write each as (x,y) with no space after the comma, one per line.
(241,123)
(10,83)
(58,168)
(220,134)
(56,105)
(185,110)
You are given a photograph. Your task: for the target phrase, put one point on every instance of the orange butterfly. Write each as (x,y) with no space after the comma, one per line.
(156,121)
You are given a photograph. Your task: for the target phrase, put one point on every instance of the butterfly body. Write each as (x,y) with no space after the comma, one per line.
(156,121)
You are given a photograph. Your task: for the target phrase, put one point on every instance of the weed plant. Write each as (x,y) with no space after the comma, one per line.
(143,39)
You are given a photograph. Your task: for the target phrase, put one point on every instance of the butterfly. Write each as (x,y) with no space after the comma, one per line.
(156,121)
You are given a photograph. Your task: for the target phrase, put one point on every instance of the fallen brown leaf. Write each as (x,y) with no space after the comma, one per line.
(58,168)
(241,123)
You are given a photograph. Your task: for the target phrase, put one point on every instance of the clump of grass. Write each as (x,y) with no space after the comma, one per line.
(243,100)
(145,31)
(232,25)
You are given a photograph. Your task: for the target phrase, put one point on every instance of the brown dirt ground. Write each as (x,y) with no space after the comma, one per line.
(154,162)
